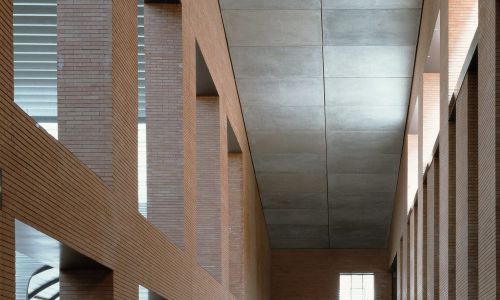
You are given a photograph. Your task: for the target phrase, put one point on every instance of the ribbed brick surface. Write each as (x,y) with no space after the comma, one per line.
(85,82)
(47,187)
(164,116)
(466,193)
(236,250)
(208,206)
(413,253)
(422,245)
(90,284)
(462,25)
(314,274)
(432,276)
(489,93)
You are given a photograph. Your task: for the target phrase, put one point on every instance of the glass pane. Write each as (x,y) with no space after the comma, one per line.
(357,294)
(357,281)
(368,282)
(345,282)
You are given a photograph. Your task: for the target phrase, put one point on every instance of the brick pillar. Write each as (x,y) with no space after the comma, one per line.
(7,257)
(466,193)
(489,151)
(6,52)
(405,291)
(236,250)
(7,231)
(164,118)
(97,88)
(413,253)
(432,276)
(208,168)
(86,284)
(422,245)
(399,256)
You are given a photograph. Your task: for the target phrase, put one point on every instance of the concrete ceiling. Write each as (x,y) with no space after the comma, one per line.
(324,88)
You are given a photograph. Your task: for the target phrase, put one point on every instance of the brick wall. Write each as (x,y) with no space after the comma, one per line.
(47,187)
(466,193)
(85,83)
(86,284)
(164,113)
(413,253)
(488,208)
(314,274)
(235,175)
(432,274)
(208,165)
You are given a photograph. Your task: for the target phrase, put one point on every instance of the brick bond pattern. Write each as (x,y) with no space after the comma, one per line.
(489,158)
(314,274)
(95,212)
(432,271)
(466,178)
(164,116)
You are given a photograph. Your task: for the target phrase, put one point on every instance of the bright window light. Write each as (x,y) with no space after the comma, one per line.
(357,286)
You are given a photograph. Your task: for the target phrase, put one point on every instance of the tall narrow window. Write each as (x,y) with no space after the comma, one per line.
(142,173)
(35,61)
(357,286)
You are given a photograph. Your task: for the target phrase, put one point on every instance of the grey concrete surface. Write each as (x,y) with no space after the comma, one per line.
(324,88)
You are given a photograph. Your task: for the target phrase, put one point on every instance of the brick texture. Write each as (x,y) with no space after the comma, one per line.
(208,207)
(164,116)
(49,188)
(314,274)
(413,253)
(467,192)
(489,93)
(432,276)
(85,82)
(86,284)
(235,175)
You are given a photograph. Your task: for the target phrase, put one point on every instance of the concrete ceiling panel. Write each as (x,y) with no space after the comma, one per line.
(297,216)
(281,91)
(369,4)
(367,91)
(294,200)
(367,200)
(365,118)
(370,27)
(292,182)
(270,4)
(294,141)
(298,236)
(277,62)
(361,183)
(346,163)
(369,61)
(292,77)
(290,163)
(273,27)
(284,118)
(365,142)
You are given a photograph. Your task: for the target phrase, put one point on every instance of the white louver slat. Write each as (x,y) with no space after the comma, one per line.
(35,57)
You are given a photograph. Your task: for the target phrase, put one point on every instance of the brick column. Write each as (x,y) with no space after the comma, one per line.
(97,88)
(466,189)
(413,253)
(208,168)
(164,118)
(86,284)
(489,151)
(422,245)
(405,291)
(236,251)
(6,52)
(7,234)
(7,257)
(432,276)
